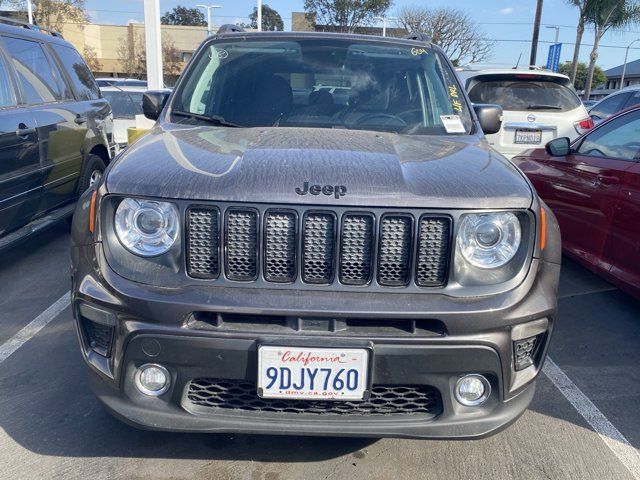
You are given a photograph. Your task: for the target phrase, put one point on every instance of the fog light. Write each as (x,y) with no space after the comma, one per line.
(472,390)
(152,379)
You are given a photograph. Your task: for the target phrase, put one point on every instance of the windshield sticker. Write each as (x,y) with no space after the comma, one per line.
(222,54)
(455,102)
(452,124)
(419,51)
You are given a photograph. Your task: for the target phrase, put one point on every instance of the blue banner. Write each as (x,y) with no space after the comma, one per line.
(553,59)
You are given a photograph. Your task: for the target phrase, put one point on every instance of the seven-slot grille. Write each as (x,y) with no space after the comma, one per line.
(321,247)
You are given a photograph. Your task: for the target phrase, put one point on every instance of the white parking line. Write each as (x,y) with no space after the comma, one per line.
(33,327)
(609,434)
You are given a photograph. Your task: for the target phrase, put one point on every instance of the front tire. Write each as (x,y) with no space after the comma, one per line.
(92,173)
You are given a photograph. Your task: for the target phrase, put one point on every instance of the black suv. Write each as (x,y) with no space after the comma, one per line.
(55,130)
(315,238)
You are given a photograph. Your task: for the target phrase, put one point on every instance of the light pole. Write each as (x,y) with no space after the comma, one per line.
(384,23)
(259,17)
(30,11)
(624,65)
(557,28)
(208,8)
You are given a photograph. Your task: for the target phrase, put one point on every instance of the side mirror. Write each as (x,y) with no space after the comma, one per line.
(490,117)
(559,147)
(153,102)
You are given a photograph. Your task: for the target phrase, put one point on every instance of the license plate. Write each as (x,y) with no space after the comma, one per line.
(312,373)
(528,136)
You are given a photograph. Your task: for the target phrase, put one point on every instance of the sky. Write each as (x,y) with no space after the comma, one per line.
(508,22)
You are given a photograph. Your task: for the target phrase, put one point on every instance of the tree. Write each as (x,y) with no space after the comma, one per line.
(91,59)
(604,16)
(584,8)
(171,61)
(184,16)
(451,29)
(271,19)
(345,15)
(53,14)
(581,74)
(132,56)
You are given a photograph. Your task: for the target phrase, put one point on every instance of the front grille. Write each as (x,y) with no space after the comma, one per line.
(433,248)
(203,242)
(319,243)
(241,244)
(211,394)
(280,247)
(368,249)
(394,257)
(356,249)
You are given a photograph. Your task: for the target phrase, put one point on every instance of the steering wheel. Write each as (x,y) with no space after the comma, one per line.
(409,114)
(370,116)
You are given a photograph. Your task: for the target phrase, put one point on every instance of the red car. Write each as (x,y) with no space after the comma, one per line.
(593,187)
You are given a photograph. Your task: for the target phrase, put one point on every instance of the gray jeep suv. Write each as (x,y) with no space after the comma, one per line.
(275,257)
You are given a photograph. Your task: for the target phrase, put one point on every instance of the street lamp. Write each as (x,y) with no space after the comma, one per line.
(624,65)
(384,23)
(557,28)
(209,7)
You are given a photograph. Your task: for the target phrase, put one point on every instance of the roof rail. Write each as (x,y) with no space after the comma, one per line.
(30,26)
(229,28)
(419,36)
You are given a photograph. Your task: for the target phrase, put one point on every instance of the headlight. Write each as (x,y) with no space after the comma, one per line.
(146,227)
(489,240)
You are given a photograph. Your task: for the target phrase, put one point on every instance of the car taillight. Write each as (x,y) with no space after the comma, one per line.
(583,125)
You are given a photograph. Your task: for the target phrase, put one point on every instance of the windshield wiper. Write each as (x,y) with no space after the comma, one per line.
(213,119)
(543,107)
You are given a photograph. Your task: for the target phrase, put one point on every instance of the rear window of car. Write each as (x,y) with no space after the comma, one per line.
(124,105)
(525,94)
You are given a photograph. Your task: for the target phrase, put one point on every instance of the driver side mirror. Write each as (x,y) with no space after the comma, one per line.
(559,147)
(153,102)
(490,117)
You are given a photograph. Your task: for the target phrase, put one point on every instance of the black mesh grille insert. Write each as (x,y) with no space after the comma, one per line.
(99,337)
(394,254)
(384,400)
(356,249)
(203,240)
(319,247)
(241,244)
(280,246)
(433,250)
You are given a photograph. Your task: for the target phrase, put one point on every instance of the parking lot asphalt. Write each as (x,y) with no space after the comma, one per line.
(584,422)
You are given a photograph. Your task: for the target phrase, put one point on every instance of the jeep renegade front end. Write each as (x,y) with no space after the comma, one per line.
(316,239)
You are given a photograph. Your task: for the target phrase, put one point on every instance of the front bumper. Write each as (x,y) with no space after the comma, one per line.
(152,325)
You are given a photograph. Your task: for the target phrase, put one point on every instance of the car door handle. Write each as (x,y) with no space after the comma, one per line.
(23,131)
(608,179)
(80,119)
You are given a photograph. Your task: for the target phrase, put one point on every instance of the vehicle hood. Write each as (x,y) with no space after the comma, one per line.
(266,165)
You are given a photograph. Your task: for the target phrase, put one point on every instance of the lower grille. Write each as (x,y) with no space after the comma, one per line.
(241,395)
(99,337)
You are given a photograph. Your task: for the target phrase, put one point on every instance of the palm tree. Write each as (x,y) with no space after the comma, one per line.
(604,16)
(583,7)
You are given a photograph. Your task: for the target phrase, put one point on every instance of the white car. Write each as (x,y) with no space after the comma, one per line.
(126,103)
(538,106)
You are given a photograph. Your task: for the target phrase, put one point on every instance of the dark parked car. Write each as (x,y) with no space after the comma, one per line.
(593,187)
(263,262)
(55,131)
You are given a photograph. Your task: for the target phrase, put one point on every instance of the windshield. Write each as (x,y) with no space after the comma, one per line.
(124,105)
(323,83)
(525,94)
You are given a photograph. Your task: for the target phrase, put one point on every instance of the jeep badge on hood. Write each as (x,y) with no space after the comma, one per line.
(337,190)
